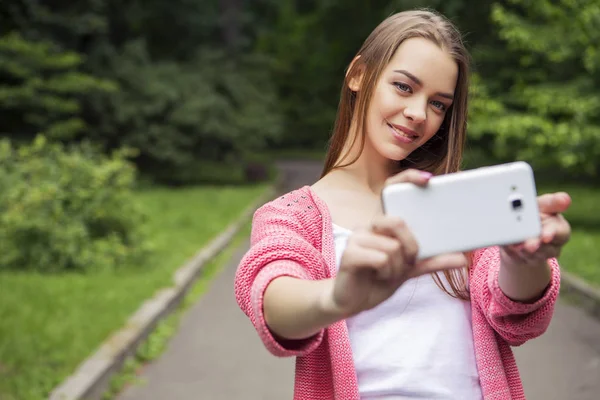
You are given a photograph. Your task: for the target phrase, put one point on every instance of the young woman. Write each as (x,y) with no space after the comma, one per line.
(331,280)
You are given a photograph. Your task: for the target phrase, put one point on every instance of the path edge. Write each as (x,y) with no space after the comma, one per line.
(92,377)
(581,293)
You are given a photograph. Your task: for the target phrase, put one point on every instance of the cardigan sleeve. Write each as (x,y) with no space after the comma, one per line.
(515,322)
(278,247)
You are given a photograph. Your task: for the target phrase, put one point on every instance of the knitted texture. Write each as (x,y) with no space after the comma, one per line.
(293,236)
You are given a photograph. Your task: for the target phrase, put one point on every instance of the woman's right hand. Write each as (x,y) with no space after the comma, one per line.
(379,259)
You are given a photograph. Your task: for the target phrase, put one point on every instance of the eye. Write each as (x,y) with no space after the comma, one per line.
(403,87)
(439,105)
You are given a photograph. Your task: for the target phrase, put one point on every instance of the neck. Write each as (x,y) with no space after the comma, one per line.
(370,170)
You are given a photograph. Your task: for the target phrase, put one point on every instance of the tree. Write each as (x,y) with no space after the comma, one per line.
(41,88)
(185,94)
(541,103)
(313,42)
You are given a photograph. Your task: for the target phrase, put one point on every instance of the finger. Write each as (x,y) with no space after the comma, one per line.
(530,245)
(409,243)
(397,228)
(548,250)
(556,230)
(438,264)
(356,257)
(406,256)
(554,203)
(415,176)
(380,263)
(381,242)
(548,232)
(562,231)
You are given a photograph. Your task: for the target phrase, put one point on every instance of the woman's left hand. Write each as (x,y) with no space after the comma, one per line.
(556,232)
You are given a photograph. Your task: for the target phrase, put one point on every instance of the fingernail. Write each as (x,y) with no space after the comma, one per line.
(534,247)
(426,174)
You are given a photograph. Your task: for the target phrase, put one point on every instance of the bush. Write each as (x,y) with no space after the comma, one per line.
(67,209)
(185,118)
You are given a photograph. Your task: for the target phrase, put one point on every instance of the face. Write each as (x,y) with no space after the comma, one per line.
(411,99)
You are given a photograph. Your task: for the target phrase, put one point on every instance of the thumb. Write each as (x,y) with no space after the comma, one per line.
(439,263)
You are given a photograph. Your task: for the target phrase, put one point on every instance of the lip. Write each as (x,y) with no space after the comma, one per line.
(399,128)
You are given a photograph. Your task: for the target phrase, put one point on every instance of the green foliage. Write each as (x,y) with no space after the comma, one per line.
(67,209)
(184,117)
(159,87)
(543,103)
(307,70)
(65,23)
(41,88)
(39,350)
(116,74)
(312,44)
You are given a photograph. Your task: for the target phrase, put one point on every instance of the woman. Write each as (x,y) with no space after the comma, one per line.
(331,280)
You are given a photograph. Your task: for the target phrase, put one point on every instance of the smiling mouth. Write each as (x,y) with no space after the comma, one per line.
(402,133)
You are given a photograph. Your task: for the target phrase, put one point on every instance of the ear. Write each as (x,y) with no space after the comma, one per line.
(356,77)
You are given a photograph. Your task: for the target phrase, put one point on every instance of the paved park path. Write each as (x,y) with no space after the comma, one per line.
(216,354)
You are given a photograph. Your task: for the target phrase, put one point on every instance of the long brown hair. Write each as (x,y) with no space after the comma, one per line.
(443,153)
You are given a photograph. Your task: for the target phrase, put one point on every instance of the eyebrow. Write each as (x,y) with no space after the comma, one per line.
(418,82)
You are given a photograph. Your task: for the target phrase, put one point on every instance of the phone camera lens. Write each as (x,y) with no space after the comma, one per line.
(517,204)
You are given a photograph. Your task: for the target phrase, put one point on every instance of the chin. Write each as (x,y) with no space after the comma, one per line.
(395,153)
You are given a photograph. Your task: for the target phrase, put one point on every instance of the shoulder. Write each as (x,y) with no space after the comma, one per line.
(295,211)
(293,203)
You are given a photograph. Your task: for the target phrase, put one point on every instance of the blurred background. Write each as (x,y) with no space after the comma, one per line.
(134,131)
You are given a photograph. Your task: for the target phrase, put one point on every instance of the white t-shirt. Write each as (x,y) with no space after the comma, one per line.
(418,344)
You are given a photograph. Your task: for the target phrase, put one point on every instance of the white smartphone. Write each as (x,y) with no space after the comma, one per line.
(468,210)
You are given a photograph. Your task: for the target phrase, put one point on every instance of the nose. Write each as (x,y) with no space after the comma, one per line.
(415,112)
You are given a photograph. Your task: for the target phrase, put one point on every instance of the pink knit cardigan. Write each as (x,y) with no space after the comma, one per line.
(293,236)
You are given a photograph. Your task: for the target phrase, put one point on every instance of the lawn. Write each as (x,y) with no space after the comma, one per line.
(581,256)
(49,324)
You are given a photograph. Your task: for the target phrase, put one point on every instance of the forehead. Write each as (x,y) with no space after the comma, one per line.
(434,67)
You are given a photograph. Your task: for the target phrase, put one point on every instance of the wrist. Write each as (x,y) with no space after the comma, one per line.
(516,266)
(327,306)
(521,282)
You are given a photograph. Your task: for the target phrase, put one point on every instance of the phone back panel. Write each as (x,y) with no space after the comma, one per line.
(468,210)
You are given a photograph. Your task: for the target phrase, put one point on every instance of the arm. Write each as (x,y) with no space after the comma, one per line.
(516,322)
(525,271)
(516,288)
(295,308)
(523,283)
(279,254)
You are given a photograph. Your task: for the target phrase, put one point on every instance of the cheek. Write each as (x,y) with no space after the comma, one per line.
(385,104)
(435,122)
(389,104)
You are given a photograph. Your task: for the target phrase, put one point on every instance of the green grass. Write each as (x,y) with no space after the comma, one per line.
(581,255)
(49,324)
(157,341)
